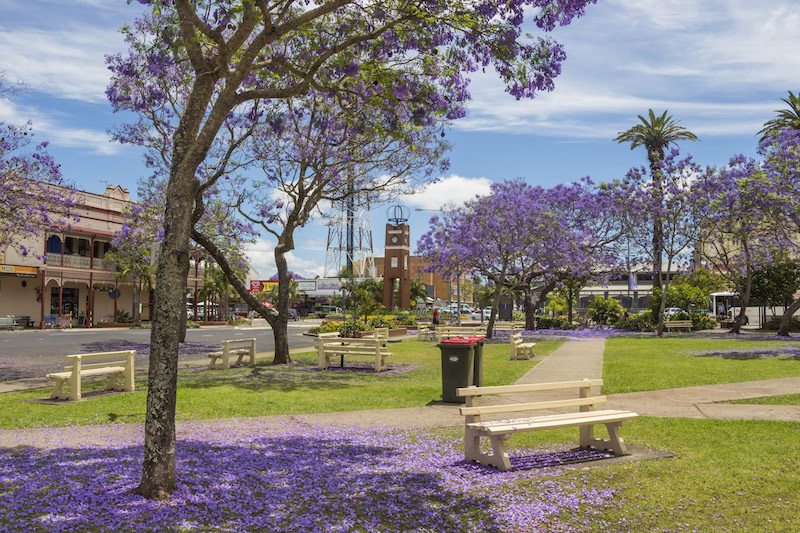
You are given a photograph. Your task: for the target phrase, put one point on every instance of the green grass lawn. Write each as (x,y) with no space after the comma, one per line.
(726,475)
(647,363)
(787,399)
(270,390)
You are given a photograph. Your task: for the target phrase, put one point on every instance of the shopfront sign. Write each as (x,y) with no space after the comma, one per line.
(19,271)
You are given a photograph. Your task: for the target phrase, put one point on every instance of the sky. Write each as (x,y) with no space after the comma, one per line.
(720,67)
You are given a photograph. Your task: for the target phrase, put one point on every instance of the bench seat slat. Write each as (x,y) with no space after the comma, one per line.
(504,389)
(554,422)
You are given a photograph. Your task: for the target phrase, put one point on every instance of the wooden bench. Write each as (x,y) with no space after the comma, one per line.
(119,370)
(9,322)
(332,345)
(378,333)
(511,327)
(499,430)
(448,332)
(520,350)
(678,324)
(224,356)
(426,332)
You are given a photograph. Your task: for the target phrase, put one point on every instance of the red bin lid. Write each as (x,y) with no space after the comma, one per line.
(462,340)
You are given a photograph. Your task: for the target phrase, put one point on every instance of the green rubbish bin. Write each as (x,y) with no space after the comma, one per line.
(462,359)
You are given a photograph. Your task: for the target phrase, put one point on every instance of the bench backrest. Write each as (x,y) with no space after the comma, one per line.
(8,320)
(80,360)
(584,401)
(236,341)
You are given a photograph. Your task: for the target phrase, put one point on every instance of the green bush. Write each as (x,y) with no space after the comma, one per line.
(604,310)
(346,328)
(681,315)
(408,321)
(549,322)
(518,315)
(640,322)
(775,323)
(122,317)
(703,322)
(192,324)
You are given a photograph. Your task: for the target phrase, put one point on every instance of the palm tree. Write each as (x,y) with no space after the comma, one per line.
(787,118)
(655,134)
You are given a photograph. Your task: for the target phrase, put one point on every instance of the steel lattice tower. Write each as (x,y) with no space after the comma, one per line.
(350,238)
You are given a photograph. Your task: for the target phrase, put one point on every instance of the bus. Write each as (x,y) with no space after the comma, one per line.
(323,310)
(730,304)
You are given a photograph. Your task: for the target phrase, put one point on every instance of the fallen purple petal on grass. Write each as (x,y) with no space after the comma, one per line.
(262,477)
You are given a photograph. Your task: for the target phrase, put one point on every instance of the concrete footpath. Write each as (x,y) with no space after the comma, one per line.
(573,360)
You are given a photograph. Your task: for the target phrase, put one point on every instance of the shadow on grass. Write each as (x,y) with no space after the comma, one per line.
(318,480)
(300,375)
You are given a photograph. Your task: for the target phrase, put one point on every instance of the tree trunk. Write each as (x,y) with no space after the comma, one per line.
(783,330)
(530,309)
(158,467)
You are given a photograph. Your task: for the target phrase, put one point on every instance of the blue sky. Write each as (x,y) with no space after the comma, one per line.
(718,66)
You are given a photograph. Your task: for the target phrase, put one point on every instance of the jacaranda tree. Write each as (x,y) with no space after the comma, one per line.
(242,52)
(742,230)
(32,197)
(781,168)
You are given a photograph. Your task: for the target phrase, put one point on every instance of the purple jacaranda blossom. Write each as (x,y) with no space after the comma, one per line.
(256,476)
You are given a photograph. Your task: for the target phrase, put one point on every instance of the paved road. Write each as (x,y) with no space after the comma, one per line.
(33,353)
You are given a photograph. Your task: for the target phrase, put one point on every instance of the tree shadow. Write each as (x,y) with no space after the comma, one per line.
(321,480)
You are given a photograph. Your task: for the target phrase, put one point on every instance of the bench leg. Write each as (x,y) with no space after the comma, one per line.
(613,443)
(75,386)
(323,359)
(58,392)
(499,458)
(226,357)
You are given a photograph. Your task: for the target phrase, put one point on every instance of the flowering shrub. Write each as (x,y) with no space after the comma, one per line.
(382,322)
(408,321)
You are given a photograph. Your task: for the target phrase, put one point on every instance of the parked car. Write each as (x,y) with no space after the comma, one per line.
(292,313)
(478,314)
(671,312)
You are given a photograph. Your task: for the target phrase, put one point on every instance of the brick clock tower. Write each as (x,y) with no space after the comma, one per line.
(395,262)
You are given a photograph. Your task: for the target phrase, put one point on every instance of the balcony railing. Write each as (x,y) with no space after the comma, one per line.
(77,261)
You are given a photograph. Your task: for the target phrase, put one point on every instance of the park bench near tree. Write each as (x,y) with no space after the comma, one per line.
(670,325)
(9,322)
(448,332)
(510,327)
(248,349)
(117,365)
(499,430)
(329,345)
(520,350)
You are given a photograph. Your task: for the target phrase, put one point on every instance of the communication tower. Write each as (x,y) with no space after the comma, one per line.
(350,238)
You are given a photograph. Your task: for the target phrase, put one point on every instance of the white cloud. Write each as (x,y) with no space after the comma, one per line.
(262,261)
(719,66)
(452,190)
(66,63)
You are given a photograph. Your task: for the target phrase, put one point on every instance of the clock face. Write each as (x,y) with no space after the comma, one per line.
(394,240)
